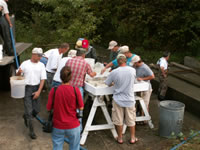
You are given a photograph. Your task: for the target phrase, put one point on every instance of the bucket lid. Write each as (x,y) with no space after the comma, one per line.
(173,105)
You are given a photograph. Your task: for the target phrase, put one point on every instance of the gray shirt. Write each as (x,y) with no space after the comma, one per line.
(123,79)
(144,71)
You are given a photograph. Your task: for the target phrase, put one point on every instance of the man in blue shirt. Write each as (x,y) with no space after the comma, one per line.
(123,50)
(123,98)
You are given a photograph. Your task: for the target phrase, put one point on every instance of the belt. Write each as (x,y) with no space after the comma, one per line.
(50,72)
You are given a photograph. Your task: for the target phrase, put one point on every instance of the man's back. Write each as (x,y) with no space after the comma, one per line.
(123,78)
(79,68)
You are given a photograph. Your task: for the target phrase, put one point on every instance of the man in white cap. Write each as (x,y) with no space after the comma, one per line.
(113,46)
(123,109)
(123,50)
(5,25)
(35,76)
(143,73)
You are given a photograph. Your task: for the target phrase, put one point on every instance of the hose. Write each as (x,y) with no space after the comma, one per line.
(178,145)
(14,49)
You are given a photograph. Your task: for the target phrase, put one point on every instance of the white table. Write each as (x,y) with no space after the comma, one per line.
(97,94)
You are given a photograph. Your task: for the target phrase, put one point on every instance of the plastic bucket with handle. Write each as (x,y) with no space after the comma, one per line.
(17,84)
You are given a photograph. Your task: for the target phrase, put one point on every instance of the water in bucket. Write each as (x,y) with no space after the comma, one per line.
(17,84)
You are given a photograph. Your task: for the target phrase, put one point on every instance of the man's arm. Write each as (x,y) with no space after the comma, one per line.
(106,67)
(146,78)
(8,19)
(37,93)
(92,74)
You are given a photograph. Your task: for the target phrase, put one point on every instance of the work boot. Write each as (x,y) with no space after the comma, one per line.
(31,130)
(25,121)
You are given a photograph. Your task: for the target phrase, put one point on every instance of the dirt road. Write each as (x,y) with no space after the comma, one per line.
(14,135)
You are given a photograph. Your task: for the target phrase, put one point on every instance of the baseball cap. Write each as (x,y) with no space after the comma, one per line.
(85,44)
(135,59)
(124,49)
(38,51)
(112,44)
(72,53)
(79,43)
(120,55)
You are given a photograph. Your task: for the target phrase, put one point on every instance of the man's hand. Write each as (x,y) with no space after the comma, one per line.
(19,72)
(103,70)
(36,94)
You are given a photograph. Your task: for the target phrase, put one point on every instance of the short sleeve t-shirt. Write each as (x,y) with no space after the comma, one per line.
(162,62)
(53,61)
(33,72)
(128,62)
(5,7)
(144,71)
(123,79)
(65,105)
(60,66)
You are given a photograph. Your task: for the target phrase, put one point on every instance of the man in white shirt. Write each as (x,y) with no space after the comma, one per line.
(56,79)
(123,98)
(53,61)
(5,25)
(163,72)
(35,76)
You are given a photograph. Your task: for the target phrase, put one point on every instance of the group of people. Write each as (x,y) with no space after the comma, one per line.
(68,75)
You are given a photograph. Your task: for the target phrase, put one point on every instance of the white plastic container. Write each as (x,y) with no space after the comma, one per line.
(90,61)
(17,84)
(1,52)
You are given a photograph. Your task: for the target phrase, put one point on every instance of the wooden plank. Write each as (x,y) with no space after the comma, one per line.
(189,80)
(20,48)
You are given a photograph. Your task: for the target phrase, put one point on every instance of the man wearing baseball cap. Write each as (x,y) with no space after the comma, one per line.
(90,50)
(35,76)
(113,46)
(123,109)
(143,73)
(123,50)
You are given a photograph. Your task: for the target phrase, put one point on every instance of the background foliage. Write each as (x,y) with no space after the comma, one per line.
(144,25)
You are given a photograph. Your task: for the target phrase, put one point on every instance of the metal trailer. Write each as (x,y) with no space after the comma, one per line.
(8,66)
(8,63)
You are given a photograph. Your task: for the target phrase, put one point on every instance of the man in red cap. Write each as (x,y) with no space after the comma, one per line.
(90,50)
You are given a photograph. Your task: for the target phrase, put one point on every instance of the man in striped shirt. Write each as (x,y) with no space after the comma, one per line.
(79,68)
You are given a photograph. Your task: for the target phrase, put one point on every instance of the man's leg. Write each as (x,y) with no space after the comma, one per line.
(28,109)
(49,79)
(130,117)
(74,138)
(119,133)
(58,136)
(117,118)
(7,46)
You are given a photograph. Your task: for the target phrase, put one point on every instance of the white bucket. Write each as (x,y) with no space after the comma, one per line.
(90,61)
(17,84)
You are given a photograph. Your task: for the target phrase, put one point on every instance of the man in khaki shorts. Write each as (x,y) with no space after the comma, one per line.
(123,98)
(143,73)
